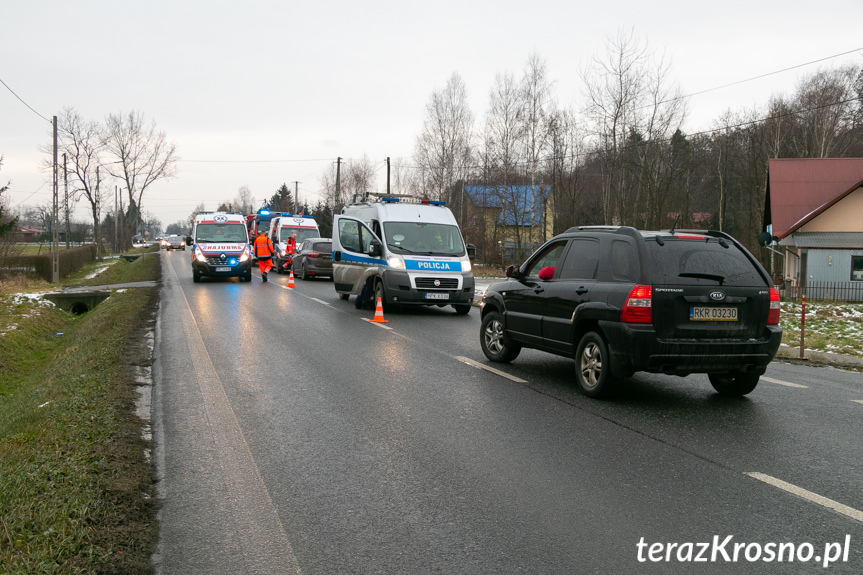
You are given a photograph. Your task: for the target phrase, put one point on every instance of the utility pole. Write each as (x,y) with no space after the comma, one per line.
(96,232)
(116,228)
(388,175)
(296,197)
(55,249)
(66,193)
(338,180)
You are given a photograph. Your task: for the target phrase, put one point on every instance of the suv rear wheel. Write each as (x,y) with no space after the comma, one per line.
(592,365)
(733,384)
(493,340)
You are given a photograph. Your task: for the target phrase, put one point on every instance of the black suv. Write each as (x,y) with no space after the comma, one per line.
(621,300)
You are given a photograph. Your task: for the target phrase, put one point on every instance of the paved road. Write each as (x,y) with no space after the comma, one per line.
(296,437)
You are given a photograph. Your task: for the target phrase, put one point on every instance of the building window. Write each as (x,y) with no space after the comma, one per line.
(857,268)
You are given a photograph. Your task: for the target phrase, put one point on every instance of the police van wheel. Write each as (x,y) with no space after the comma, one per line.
(344,296)
(379,294)
(462,308)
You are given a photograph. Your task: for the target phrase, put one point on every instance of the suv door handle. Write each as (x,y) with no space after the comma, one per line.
(582,290)
(538,289)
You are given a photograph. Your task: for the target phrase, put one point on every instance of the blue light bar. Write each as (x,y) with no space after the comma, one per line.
(413,201)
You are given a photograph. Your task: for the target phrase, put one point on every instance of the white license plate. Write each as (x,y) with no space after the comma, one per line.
(436,295)
(223,269)
(712,313)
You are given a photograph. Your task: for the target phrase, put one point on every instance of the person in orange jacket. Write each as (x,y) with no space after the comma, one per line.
(264,252)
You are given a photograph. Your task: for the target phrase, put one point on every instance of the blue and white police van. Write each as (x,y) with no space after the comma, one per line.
(405,251)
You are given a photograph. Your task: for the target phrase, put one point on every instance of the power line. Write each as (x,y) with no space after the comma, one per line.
(759,77)
(23,102)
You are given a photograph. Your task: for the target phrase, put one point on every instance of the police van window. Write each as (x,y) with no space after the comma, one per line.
(582,260)
(550,257)
(349,235)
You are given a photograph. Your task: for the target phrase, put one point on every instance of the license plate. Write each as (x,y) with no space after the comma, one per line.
(436,295)
(712,313)
(223,269)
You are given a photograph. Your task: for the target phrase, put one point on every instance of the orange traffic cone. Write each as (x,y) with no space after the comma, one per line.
(291,280)
(379,313)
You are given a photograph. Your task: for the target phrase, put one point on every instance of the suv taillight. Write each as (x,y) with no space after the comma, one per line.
(775,307)
(639,306)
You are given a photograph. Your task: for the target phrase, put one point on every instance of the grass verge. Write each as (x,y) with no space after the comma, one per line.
(76,490)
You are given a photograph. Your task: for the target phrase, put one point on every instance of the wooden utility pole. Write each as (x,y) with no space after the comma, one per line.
(338,178)
(55,248)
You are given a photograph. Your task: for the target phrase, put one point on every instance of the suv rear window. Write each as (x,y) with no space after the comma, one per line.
(700,261)
(322,246)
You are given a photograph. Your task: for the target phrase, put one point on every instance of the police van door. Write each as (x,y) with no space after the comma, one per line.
(352,240)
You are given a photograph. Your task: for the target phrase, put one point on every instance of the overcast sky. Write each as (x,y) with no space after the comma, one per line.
(260,93)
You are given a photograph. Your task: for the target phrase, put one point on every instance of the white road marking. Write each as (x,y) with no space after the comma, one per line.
(785,383)
(857,400)
(490,369)
(319,300)
(809,496)
(376,323)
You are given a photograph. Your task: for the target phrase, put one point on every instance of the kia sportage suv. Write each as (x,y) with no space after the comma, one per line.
(620,300)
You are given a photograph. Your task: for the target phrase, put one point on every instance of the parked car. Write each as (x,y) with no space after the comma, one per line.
(314,258)
(620,300)
(175,242)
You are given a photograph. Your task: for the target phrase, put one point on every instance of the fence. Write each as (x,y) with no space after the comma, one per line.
(825,291)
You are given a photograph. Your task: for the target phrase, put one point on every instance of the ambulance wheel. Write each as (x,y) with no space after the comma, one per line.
(248,276)
(196,277)
(344,296)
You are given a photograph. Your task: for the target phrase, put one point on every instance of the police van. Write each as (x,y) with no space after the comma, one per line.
(281,227)
(220,246)
(405,251)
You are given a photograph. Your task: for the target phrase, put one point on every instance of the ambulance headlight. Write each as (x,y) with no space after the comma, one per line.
(199,255)
(465,266)
(396,263)
(246,255)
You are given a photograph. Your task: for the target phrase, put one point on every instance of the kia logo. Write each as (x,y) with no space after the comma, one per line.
(717,295)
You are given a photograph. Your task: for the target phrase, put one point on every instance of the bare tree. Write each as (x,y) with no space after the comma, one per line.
(443,148)
(244,202)
(142,155)
(81,142)
(538,107)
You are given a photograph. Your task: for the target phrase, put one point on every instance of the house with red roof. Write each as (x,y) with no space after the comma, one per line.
(814,212)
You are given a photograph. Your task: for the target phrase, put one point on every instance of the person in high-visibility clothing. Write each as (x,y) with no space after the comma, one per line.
(264,251)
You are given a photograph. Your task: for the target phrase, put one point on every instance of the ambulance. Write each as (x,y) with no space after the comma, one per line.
(281,227)
(405,251)
(220,246)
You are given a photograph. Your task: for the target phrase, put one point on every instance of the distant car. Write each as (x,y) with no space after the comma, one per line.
(620,300)
(314,258)
(175,242)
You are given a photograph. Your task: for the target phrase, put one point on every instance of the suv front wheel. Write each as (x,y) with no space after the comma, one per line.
(733,384)
(493,340)
(593,365)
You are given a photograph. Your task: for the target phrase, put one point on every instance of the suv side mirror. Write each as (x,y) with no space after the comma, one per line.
(512,272)
(375,248)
